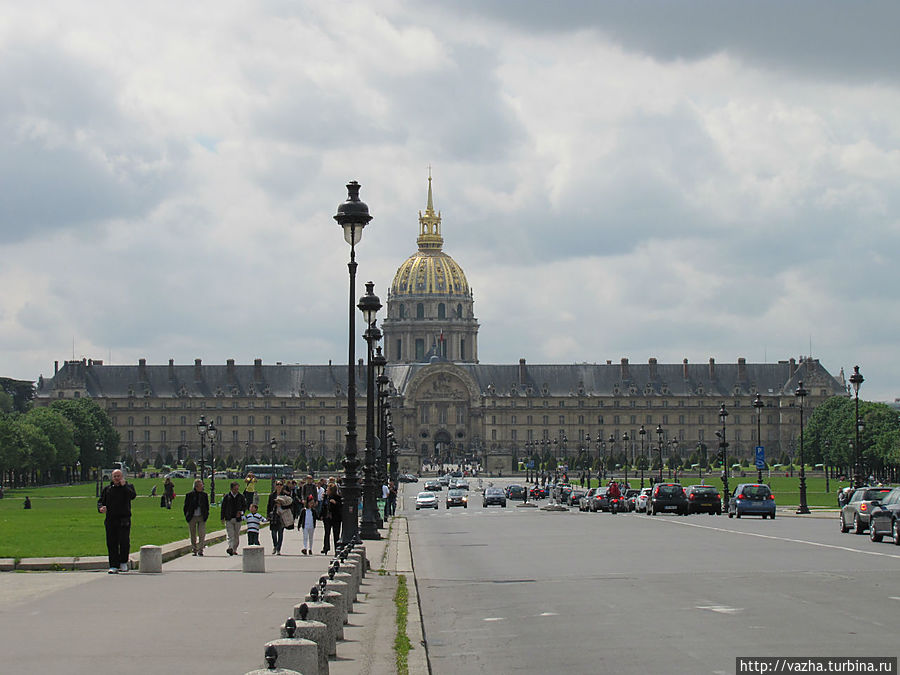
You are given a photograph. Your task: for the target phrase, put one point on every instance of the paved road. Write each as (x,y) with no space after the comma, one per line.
(515,589)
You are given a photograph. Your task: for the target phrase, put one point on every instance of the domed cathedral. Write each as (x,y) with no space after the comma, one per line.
(430,309)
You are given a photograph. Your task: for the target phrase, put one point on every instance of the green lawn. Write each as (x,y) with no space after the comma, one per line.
(64,521)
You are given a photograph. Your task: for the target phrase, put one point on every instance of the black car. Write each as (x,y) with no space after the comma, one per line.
(456,497)
(704,499)
(885,518)
(667,498)
(858,510)
(494,495)
(537,492)
(515,492)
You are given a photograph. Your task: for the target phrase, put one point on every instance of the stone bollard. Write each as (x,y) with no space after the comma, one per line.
(271,658)
(151,560)
(317,632)
(330,597)
(298,654)
(357,559)
(347,579)
(324,612)
(253,559)
(349,568)
(342,587)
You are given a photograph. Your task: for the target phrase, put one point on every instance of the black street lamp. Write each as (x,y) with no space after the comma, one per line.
(856,379)
(211,435)
(659,440)
(642,432)
(700,458)
(381,382)
(759,405)
(273,445)
(625,440)
(98,446)
(723,453)
(610,465)
(369,304)
(202,427)
(352,216)
(801,394)
(827,472)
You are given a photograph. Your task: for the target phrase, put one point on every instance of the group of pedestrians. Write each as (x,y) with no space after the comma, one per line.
(289,506)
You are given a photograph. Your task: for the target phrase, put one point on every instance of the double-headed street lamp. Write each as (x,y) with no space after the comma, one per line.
(211,435)
(202,428)
(723,453)
(642,432)
(610,465)
(625,440)
(273,445)
(659,441)
(381,380)
(369,304)
(758,404)
(98,446)
(352,216)
(856,379)
(801,394)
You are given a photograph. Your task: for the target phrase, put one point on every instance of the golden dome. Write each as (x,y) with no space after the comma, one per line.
(430,271)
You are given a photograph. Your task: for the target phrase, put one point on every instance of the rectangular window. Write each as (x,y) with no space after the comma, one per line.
(528,420)
(462,349)
(162,436)
(546,420)
(183,420)
(634,419)
(398,355)
(130,435)
(321,435)
(234,436)
(423,414)
(321,420)
(493,434)
(183,437)
(512,419)
(493,419)
(250,435)
(303,435)
(147,435)
(251,420)
(665,419)
(513,434)
(616,420)
(337,420)
(442,415)
(562,420)
(267,420)
(460,415)
(700,419)
(234,421)
(303,420)
(420,350)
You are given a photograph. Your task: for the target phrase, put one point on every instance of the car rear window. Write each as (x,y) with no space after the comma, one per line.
(756,491)
(709,490)
(670,491)
(876,494)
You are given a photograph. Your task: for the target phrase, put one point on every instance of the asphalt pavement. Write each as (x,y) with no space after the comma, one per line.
(526,590)
(202,614)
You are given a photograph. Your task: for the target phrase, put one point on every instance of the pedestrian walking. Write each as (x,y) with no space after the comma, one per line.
(392,497)
(385,492)
(115,503)
(275,507)
(233,507)
(253,519)
(307,524)
(169,492)
(196,511)
(331,517)
(309,488)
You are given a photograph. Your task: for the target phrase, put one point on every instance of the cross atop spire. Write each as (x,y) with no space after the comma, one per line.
(430,224)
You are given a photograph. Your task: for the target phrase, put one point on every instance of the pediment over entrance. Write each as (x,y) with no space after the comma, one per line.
(443,382)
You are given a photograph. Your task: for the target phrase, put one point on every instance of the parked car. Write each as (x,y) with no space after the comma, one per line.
(457,497)
(885,518)
(575,495)
(494,495)
(704,499)
(179,473)
(858,510)
(667,498)
(426,500)
(752,499)
(640,502)
(630,497)
(432,486)
(407,478)
(515,492)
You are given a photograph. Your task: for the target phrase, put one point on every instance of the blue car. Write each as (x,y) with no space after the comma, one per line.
(753,499)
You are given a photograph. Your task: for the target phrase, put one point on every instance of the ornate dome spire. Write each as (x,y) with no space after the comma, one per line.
(430,238)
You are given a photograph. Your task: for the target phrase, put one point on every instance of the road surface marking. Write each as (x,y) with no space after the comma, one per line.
(555,614)
(770,536)
(721,609)
(495,618)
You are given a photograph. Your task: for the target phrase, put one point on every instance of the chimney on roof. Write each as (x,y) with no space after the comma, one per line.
(522,372)
(257,370)
(652,368)
(712,368)
(793,364)
(55,368)
(742,369)
(623,370)
(229,370)
(198,370)
(684,369)
(609,362)
(171,370)
(142,370)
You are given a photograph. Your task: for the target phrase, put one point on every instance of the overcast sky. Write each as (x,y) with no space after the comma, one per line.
(617,179)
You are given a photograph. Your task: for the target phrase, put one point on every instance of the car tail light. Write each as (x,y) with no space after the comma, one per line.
(692,496)
(863,507)
(718,496)
(771,496)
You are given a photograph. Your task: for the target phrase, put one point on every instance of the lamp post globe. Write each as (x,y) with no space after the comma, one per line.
(625,440)
(369,304)
(723,452)
(273,445)
(98,446)
(759,405)
(856,379)
(659,441)
(352,215)
(801,394)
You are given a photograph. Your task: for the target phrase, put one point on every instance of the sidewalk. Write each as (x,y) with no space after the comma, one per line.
(202,614)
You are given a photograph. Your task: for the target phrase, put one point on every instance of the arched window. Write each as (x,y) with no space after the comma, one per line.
(442,311)
(420,311)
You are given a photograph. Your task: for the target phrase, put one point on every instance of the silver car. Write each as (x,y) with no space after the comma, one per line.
(858,510)
(426,500)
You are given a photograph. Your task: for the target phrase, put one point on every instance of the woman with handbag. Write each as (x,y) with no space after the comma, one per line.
(279,514)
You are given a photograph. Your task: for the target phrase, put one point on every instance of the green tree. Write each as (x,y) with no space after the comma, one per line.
(92,425)
(61,433)
(41,455)
(6,403)
(13,453)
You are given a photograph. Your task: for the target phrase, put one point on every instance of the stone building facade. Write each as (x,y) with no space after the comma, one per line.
(445,403)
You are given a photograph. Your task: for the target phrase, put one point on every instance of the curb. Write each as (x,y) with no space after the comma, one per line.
(418,656)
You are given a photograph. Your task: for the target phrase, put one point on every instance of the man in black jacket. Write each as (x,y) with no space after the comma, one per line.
(196,511)
(233,507)
(115,502)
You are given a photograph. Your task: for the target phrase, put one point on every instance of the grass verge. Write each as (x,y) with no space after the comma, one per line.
(402,644)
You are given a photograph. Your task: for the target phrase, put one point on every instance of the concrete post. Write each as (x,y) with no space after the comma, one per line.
(325,612)
(332,598)
(253,559)
(271,658)
(151,560)
(317,632)
(298,654)
(360,561)
(346,596)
